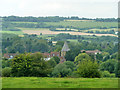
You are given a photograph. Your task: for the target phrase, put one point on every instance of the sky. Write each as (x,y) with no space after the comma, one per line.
(80,8)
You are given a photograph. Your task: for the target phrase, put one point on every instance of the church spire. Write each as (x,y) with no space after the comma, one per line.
(65,47)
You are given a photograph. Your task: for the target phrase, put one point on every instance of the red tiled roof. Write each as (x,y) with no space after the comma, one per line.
(92,51)
(55,54)
(46,54)
(7,55)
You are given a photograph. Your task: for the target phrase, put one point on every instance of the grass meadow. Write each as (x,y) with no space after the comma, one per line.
(40,82)
(79,24)
(13,32)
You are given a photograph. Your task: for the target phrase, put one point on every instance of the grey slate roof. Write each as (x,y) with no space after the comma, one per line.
(65,47)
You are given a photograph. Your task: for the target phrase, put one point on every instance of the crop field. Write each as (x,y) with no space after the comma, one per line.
(34,29)
(13,32)
(79,24)
(48,32)
(38,82)
(76,24)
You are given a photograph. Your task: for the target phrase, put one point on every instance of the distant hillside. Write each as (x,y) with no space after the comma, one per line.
(54,19)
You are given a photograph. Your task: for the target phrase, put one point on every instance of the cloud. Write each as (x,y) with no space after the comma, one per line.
(82,8)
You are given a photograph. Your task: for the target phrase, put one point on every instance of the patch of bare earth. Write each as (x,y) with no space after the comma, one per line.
(44,32)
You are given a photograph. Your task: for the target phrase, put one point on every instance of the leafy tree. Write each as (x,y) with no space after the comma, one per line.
(6,63)
(88,69)
(61,70)
(57,59)
(99,57)
(108,65)
(70,65)
(114,55)
(58,49)
(30,65)
(39,67)
(105,74)
(117,69)
(70,55)
(52,62)
(82,57)
(6,72)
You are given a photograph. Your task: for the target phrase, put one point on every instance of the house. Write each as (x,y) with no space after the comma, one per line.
(47,56)
(9,55)
(94,52)
(52,54)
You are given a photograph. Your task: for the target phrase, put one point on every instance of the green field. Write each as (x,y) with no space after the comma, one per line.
(79,24)
(13,32)
(38,82)
(33,28)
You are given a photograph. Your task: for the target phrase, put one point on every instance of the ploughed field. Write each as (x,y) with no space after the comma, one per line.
(46,82)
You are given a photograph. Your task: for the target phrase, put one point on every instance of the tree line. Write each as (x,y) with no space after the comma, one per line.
(34,65)
(54,19)
(12,43)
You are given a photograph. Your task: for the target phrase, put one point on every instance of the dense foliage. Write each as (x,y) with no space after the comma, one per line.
(30,65)
(63,70)
(54,19)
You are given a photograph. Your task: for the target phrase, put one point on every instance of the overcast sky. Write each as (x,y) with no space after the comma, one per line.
(81,8)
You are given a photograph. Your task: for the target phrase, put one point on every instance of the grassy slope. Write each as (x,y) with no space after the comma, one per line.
(38,82)
(80,24)
(13,32)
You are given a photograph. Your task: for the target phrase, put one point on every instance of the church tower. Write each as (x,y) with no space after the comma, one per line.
(63,51)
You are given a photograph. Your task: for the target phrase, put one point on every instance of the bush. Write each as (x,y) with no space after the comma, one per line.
(30,65)
(112,75)
(57,59)
(6,72)
(105,74)
(88,69)
(108,65)
(70,65)
(74,75)
(52,63)
(117,69)
(61,70)
(82,57)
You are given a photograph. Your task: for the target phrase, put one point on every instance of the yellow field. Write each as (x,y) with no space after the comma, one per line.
(48,32)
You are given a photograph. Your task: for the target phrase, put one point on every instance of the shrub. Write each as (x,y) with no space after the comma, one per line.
(112,75)
(52,63)
(82,57)
(6,72)
(117,69)
(74,75)
(57,59)
(30,65)
(88,69)
(108,65)
(61,70)
(70,65)
(106,74)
